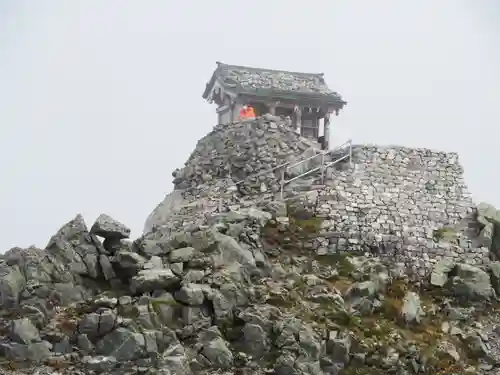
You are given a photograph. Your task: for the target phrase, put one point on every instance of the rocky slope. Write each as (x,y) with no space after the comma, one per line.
(237,290)
(237,296)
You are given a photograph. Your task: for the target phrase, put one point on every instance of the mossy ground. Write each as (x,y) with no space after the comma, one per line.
(383,329)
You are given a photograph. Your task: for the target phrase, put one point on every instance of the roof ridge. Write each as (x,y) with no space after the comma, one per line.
(220,64)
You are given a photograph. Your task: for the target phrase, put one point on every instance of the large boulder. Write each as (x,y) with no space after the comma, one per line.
(75,249)
(107,227)
(170,205)
(471,283)
(489,218)
(216,349)
(153,279)
(122,344)
(51,276)
(439,275)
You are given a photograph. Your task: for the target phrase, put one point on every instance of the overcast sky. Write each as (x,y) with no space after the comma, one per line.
(100,100)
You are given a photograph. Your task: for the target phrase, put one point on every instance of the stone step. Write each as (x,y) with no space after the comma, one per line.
(303,189)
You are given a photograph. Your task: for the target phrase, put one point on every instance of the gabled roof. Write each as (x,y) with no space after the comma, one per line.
(272,83)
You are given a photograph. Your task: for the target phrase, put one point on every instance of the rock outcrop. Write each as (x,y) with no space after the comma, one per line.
(225,282)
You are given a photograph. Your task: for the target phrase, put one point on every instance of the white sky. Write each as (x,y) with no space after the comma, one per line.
(100,100)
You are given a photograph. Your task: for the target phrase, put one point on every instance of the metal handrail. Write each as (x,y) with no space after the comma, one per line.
(322,167)
(324,152)
(288,165)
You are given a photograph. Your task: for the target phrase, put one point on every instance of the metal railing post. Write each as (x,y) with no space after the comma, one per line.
(350,153)
(322,169)
(282,183)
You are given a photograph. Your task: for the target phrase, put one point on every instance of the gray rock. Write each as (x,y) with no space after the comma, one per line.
(154,279)
(260,217)
(256,340)
(177,268)
(182,255)
(23,331)
(362,289)
(107,227)
(12,282)
(495,276)
(486,235)
(476,346)
(165,306)
(122,344)
(472,283)
(35,352)
(229,251)
(155,262)
(275,208)
(113,245)
(412,311)
(99,364)
(164,211)
(338,347)
(152,247)
(89,324)
(191,294)
(439,275)
(63,346)
(73,249)
(193,276)
(84,344)
(215,349)
(107,268)
(130,261)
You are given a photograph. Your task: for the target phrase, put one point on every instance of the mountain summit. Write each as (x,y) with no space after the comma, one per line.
(272,255)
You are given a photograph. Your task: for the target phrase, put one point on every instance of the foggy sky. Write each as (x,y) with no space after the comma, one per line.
(100,100)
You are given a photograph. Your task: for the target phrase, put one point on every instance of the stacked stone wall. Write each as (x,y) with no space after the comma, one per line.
(392,200)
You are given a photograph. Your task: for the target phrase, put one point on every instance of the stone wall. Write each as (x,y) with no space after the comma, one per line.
(239,150)
(391,200)
(228,154)
(397,197)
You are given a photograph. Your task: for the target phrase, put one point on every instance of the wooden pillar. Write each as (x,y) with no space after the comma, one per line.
(272,108)
(298,119)
(236,111)
(326,131)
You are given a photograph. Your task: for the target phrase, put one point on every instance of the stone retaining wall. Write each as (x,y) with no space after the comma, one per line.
(396,196)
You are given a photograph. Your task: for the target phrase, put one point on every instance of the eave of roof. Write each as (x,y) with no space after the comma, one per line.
(330,98)
(252,69)
(288,95)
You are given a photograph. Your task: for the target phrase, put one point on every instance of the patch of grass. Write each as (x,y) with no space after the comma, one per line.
(273,236)
(308,226)
(155,303)
(345,319)
(13,365)
(57,363)
(280,302)
(341,261)
(341,283)
(445,233)
(69,326)
(397,289)
(391,308)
